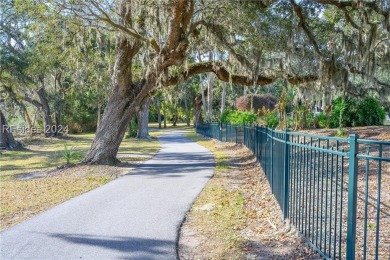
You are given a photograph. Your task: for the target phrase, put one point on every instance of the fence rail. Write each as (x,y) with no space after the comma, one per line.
(335,191)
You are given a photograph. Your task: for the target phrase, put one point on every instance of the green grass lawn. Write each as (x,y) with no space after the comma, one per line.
(24,198)
(47,153)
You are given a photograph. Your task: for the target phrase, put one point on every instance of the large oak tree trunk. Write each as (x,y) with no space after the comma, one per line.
(143,120)
(99,114)
(187,112)
(48,123)
(127,97)
(165,114)
(198,110)
(210,86)
(204,105)
(158,104)
(223,99)
(7,140)
(122,104)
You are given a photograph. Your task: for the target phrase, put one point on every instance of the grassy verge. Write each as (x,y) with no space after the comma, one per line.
(236,216)
(47,153)
(30,182)
(219,210)
(21,200)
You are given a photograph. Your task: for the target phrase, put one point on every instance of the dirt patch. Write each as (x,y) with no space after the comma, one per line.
(373,182)
(236,216)
(367,132)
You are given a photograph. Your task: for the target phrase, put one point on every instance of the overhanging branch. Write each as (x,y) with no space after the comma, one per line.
(223,74)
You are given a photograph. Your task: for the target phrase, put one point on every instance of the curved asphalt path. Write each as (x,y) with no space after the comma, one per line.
(134,217)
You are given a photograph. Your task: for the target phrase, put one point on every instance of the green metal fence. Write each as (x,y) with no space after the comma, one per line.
(335,191)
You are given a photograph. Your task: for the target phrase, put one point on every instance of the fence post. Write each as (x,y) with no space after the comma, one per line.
(236,127)
(286,174)
(352,196)
(243,128)
(254,141)
(220,131)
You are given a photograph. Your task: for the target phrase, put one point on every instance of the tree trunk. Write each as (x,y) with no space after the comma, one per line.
(198,110)
(210,85)
(187,112)
(58,122)
(223,98)
(28,119)
(48,123)
(174,120)
(158,104)
(204,102)
(124,101)
(143,120)
(99,115)
(127,97)
(7,140)
(165,114)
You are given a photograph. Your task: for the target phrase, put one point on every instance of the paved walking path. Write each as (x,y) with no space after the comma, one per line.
(134,217)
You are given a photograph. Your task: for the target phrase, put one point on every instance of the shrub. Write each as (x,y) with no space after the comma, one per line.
(272,120)
(322,120)
(256,102)
(316,120)
(369,112)
(238,117)
(350,112)
(243,103)
(344,113)
(264,101)
(311,120)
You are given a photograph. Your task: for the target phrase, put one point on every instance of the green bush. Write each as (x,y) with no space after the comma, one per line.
(351,112)
(272,120)
(238,117)
(369,112)
(311,120)
(322,120)
(344,113)
(317,121)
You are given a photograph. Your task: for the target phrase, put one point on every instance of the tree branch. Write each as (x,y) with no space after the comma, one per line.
(304,26)
(175,30)
(215,30)
(105,17)
(32,101)
(354,70)
(224,75)
(354,5)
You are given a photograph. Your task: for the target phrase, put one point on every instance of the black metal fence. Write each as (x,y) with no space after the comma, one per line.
(335,191)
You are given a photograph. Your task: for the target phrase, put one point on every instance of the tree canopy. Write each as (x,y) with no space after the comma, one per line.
(55,48)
